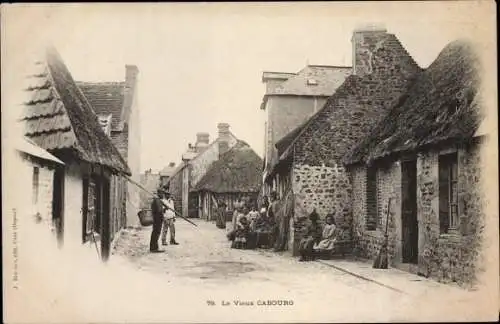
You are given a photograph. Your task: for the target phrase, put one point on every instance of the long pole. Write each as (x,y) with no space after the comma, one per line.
(156,196)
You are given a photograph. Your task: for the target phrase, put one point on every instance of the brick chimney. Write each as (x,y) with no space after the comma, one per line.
(366,40)
(171,164)
(202,141)
(224,136)
(131,75)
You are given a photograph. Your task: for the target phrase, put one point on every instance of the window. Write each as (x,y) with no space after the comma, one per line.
(89,208)
(36,184)
(448,196)
(371,199)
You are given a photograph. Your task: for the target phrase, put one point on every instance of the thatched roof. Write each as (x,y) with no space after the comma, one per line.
(58,117)
(440,106)
(106,98)
(238,170)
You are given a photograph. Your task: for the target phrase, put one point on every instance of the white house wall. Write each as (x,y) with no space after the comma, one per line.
(73,203)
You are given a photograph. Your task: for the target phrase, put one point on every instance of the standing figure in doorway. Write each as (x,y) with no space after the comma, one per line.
(221,215)
(157,210)
(169,220)
(271,216)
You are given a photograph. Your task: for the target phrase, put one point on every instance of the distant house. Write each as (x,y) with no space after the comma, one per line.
(195,163)
(116,105)
(290,99)
(45,177)
(60,119)
(166,173)
(425,155)
(150,181)
(310,156)
(237,174)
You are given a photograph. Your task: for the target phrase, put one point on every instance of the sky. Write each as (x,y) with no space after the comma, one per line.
(201,64)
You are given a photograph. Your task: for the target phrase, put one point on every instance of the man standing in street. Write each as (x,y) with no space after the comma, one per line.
(157,210)
(169,220)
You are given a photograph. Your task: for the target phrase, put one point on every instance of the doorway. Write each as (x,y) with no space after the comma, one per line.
(409,221)
(105,217)
(58,204)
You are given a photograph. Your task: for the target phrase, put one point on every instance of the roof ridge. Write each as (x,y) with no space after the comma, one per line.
(330,66)
(395,38)
(100,82)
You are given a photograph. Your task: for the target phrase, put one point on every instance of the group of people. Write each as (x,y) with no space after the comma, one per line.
(163,212)
(252,227)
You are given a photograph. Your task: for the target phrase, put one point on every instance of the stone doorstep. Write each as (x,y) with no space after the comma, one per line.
(391,278)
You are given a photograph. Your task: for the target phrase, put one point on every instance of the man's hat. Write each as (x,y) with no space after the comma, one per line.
(162,190)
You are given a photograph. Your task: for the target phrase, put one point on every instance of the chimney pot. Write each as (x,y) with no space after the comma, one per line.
(202,138)
(131,72)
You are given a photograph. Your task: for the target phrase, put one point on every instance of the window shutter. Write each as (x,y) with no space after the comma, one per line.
(371,199)
(36,184)
(85,208)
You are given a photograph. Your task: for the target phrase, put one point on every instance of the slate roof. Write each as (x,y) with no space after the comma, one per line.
(442,105)
(326,80)
(59,117)
(106,98)
(238,170)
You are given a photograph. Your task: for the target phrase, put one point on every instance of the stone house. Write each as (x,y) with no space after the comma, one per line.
(310,156)
(116,105)
(59,118)
(236,175)
(195,163)
(290,99)
(44,174)
(425,155)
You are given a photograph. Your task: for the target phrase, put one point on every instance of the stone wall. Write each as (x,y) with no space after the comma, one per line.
(451,257)
(367,242)
(325,188)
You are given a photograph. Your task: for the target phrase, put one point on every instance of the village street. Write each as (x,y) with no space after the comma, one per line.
(205,264)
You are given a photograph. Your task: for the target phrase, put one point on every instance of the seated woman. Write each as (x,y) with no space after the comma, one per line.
(241,234)
(328,237)
(262,228)
(312,236)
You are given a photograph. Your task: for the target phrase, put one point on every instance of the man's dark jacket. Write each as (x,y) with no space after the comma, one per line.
(157,210)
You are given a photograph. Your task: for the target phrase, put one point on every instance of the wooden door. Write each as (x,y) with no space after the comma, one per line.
(58,204)
(104,217)
(409,212)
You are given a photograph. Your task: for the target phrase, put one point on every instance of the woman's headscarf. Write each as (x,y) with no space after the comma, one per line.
(314,215)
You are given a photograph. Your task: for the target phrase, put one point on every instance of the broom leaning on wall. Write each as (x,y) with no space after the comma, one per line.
(382,259)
